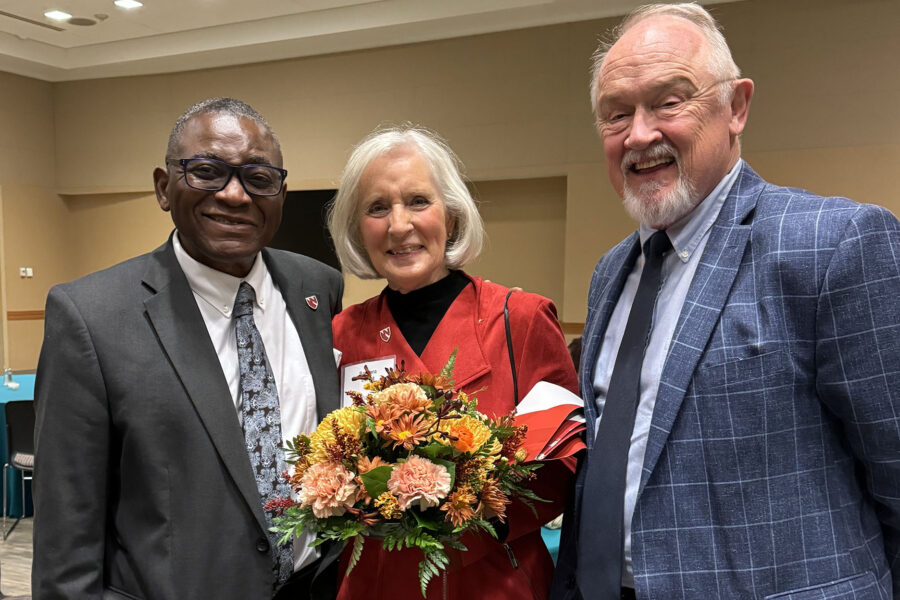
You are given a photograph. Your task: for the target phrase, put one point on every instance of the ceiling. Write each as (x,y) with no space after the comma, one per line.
(178,35)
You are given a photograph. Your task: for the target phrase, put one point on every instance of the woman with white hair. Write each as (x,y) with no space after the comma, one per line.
(403,213)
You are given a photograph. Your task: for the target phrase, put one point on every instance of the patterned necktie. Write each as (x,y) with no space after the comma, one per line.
(261,419)
(600,540)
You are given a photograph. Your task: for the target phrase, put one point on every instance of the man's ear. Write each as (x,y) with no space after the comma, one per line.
(160,183)
(740,105)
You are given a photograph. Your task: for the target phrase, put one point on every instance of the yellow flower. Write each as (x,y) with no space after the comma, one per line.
(464,427)
(388,506)
(348,420)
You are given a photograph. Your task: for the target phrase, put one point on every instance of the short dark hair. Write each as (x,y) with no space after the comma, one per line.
(216,106)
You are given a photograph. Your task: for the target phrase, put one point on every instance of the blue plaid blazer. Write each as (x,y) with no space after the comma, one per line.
(773,461)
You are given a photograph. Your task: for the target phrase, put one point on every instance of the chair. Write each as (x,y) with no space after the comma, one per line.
(19,449)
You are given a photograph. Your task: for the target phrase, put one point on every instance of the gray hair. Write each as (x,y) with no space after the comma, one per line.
(216,106)
(721,64)
(467,231)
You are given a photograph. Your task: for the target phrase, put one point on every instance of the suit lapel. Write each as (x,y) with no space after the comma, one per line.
(606,287)
(174,315)
(314,331)
(702,309)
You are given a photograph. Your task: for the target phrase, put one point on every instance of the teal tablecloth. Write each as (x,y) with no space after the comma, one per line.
(13,477)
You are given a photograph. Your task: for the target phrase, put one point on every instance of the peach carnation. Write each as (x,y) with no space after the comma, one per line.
(419,480)
(409,398)
(328,488)
(404,394)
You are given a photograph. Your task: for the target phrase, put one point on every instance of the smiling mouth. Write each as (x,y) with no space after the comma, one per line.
(224,220)
(404,250)
(650,165)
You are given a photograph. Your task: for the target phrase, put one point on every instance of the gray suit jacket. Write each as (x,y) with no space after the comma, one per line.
(143,488)
(772,467)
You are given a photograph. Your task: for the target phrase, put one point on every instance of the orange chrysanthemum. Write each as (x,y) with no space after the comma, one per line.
(459,506)
(438,382)
(382,414)
(493,501)
(407,431)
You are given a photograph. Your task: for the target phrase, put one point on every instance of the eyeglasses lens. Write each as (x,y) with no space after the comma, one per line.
(213,175)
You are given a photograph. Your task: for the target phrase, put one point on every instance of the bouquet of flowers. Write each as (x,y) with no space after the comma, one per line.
(413,463)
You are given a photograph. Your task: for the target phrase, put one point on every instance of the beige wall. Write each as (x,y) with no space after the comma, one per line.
(109,228)
(513,105)
(525,220)
(32,216)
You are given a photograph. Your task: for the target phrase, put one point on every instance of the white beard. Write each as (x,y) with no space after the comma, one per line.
(644,205)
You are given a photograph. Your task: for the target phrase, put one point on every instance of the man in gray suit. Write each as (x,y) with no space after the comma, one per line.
(739,370)
(153,460)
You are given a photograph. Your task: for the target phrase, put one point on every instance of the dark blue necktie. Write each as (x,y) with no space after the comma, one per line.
(600,537)
(261,421)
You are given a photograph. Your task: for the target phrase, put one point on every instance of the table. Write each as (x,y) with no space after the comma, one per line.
(13,477)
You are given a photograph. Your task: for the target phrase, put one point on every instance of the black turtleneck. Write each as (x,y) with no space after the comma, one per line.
(418,312)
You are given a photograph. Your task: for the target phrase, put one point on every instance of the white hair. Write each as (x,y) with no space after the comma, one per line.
(721,64)
(466,230)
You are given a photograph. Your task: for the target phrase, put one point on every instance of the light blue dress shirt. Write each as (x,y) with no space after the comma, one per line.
(688,237)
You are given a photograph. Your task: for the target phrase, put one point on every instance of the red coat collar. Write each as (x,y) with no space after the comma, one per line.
(460,328)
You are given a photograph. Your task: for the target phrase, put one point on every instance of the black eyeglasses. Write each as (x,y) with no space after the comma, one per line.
(211,175)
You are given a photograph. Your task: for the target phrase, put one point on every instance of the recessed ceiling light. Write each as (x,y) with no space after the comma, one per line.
(128,3)
(57,15)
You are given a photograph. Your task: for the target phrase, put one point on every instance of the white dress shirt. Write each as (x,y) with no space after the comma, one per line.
(215,292)
(688,238)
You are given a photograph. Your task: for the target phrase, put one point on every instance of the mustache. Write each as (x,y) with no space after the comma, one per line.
(657,151)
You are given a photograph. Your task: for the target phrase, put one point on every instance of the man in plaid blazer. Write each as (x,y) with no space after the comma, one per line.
(764,460)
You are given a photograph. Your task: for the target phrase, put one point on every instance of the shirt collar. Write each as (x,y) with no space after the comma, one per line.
(687,233)
(216,288)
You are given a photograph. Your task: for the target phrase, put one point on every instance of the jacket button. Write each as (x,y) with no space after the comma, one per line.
(571,582)
(262,545)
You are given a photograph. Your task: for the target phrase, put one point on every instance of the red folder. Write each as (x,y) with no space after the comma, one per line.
(555,425)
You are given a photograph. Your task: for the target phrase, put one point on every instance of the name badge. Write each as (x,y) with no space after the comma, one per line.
(377,366)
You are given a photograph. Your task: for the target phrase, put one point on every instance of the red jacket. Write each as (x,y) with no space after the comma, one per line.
(473,325)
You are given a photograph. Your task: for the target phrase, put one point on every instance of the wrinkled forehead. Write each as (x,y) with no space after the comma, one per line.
(657,46)
(229,137)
